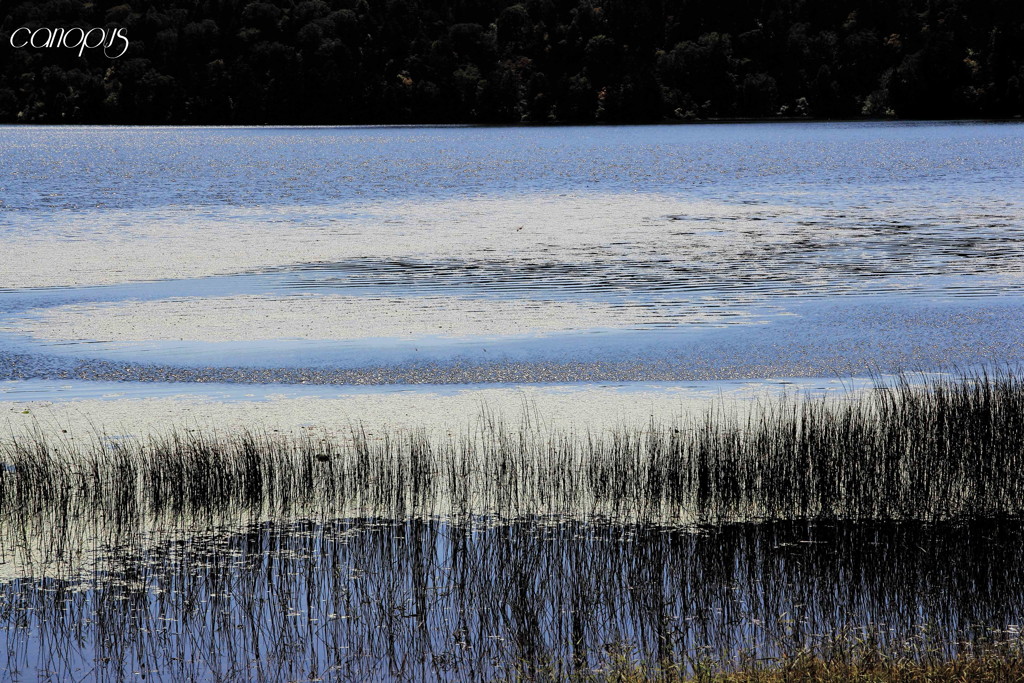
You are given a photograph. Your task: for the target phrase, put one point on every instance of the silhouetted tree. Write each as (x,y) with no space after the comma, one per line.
(502,61)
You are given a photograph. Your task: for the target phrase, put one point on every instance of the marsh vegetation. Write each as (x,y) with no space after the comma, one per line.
(879,531)
(483,599)
(942,450)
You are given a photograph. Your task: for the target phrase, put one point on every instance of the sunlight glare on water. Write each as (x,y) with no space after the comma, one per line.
(483,255)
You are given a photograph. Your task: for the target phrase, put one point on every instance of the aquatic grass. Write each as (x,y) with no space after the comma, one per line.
(937,450)
(484,599)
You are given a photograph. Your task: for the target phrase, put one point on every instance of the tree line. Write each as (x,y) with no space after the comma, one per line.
(501,61)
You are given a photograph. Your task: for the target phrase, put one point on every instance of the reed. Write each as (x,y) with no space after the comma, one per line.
(937,450)
(540,599)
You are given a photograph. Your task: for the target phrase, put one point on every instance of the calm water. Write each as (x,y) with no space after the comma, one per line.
(462,255)
(373,599)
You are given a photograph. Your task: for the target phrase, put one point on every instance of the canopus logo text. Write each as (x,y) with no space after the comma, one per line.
(113,41)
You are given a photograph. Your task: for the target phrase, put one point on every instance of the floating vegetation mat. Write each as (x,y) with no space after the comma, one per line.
(884,527)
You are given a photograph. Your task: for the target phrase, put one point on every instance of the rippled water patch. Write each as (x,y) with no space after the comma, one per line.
(795,269)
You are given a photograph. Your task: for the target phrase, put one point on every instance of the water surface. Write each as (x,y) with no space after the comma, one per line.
(314,280)
(491,255)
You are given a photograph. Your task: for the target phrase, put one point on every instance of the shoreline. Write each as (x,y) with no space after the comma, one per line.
(525,124)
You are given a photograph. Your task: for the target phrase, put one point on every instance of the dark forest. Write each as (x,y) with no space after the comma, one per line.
(499,61)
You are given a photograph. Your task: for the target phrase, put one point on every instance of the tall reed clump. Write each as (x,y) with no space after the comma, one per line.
(944,449)
(521,600)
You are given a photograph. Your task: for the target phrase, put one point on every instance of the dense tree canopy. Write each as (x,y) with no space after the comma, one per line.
(501,61)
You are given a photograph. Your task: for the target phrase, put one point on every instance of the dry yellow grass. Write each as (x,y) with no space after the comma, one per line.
(1003,667)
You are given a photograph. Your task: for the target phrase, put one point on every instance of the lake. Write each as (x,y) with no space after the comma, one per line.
(428,256)
(594,301)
